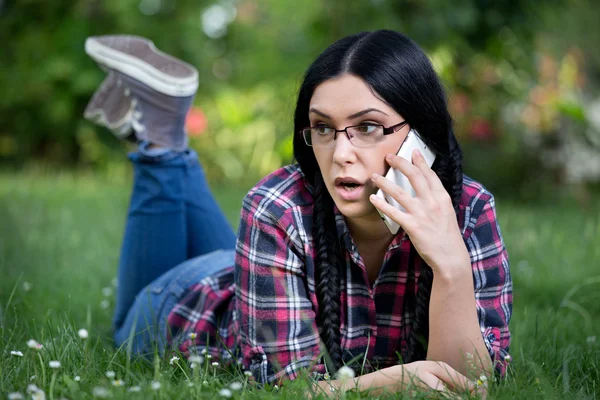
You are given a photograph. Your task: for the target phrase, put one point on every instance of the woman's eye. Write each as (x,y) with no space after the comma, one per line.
(367,128)
(322,129)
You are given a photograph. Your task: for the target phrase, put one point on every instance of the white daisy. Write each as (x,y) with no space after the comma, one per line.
(16,353)
(225,393)
(345,373)
(83,333)
(101,392)
(32,344)
(54,364)
(155,385)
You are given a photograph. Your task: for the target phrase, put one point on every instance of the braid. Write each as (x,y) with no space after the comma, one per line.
(449,169)
(327,272)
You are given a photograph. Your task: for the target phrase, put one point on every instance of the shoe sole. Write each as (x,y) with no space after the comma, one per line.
(143,71)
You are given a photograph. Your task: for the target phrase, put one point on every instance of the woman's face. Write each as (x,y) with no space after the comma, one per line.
(334,102)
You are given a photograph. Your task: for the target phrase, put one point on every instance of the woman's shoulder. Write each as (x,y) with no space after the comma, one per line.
(474,194)
(281,191)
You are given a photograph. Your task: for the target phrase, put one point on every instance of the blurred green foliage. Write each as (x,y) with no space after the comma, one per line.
(521,75)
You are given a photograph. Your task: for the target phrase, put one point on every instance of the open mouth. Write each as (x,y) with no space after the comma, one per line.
(349,186)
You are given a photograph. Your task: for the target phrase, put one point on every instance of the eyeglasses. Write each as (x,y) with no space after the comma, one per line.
(363,135)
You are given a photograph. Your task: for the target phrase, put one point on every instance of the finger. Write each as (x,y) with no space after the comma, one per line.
(395,191)
(433,181)
(412,172)
(400,217)
(452,378)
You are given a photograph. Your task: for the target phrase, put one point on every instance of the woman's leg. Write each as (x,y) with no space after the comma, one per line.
(208,228)
(151,92)
(145,326)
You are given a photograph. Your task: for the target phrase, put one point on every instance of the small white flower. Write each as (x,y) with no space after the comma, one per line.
(27,286)
(483,378)
(215,364)
(590,339)
(77,378)
(135,389)
(15,396)
(101,392)
(155,385)
(248,373)
(118,382)
(83,333)
(205,382)
(192,335)
(35,392)
(32,344)
(110,374)
(275,388)
(104,304)
(236,386)
(326,376)
(345,373)
(16,353)
(32,388)
(208,356)
(32,377)
(193,365)
(190,384)
(507,358)
(204,351)
(107,291)
(196,359)
(54,364)
(173,360)
(39,395)
(225,393)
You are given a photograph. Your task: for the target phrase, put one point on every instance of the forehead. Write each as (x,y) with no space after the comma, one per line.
(346,95)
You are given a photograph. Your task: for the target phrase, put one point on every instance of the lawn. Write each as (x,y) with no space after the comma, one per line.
(59,242)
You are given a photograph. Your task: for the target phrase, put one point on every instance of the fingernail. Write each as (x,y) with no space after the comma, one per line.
(374,176)
(416,152)
(389,156)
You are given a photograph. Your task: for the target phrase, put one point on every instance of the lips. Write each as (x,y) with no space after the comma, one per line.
(348,189)
(346,181)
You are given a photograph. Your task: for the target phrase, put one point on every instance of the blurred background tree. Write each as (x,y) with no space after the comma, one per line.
(522,78)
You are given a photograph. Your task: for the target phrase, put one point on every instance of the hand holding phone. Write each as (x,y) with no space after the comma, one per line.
(412,142)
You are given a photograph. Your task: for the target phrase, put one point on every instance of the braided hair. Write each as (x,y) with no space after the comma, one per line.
(399,72)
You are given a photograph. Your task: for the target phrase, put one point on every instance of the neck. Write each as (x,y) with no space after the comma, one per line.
(369,229)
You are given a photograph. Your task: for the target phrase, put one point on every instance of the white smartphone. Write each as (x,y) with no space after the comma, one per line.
(412,141)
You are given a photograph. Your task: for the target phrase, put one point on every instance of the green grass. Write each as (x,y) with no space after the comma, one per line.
(61,234)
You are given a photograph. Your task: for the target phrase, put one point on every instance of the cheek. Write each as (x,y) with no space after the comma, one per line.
(322,158)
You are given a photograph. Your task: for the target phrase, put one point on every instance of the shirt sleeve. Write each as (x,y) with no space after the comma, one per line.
(492,281)
(278,332)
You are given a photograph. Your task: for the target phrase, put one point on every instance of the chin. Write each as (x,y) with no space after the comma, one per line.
(355,210)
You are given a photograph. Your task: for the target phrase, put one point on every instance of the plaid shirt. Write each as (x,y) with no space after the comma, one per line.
(264,309)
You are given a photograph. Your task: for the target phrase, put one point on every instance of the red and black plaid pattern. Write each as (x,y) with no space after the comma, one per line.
(264,309)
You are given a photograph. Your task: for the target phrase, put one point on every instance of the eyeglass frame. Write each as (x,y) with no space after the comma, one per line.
(386,131)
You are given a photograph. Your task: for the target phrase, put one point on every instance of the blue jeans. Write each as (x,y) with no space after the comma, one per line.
(175,235)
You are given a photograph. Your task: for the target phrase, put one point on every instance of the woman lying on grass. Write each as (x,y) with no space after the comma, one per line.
(315,280)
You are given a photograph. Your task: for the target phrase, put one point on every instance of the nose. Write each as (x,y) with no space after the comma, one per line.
(344,151)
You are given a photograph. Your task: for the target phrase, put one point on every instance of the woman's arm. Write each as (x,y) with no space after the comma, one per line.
(417,375)
(279,336)
(471,305)
(471,297)
(454,332)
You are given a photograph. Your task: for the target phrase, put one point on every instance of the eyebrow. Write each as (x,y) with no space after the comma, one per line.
(352,116)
